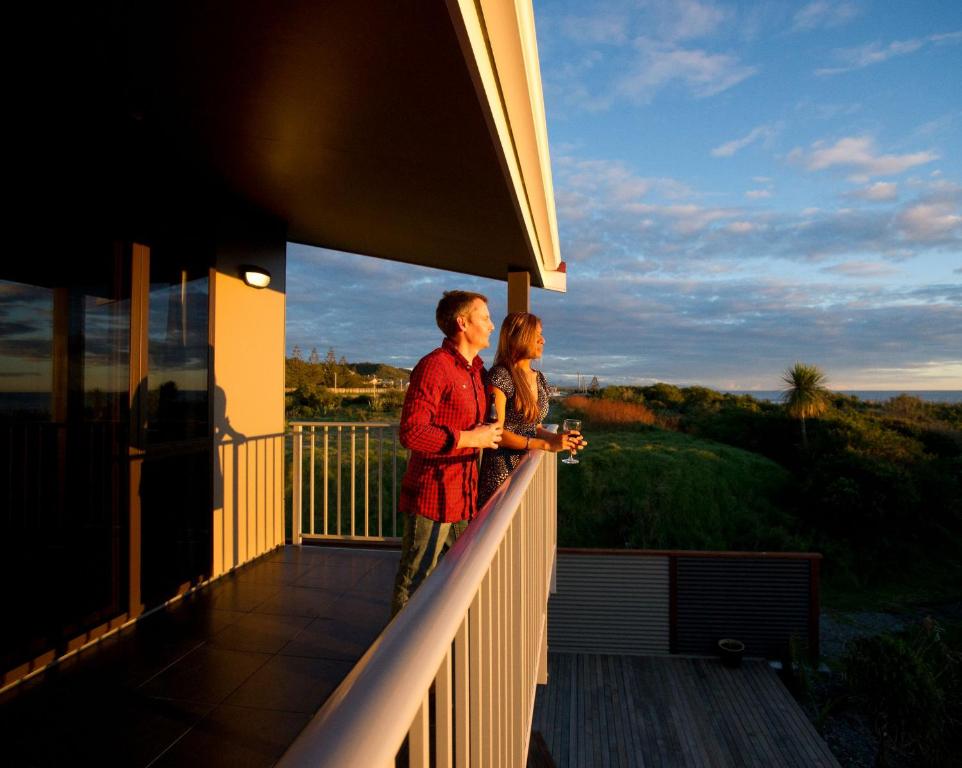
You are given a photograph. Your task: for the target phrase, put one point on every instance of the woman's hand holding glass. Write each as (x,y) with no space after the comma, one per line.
(565,441)
(571,431)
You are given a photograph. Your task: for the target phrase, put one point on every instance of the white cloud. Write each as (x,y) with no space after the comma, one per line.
(610,181)
(876,53)
(684,219)
(879,192)
(729,148)
(741,227)
(930,220)
(758,194)
(823,14)
(862,269)
(859,154)
(705,74)
(596,28)
(685,19)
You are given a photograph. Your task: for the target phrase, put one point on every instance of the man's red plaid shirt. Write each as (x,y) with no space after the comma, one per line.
(445,397)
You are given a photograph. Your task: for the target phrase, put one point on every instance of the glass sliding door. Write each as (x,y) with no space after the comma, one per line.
(175,482)
(64,352)
(105,445)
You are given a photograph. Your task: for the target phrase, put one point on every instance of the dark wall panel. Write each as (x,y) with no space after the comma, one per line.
(762,602)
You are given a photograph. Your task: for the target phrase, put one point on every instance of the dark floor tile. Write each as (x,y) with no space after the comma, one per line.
(260,632)
(273,572)
(374,610)
(122,728)
(237,737)
(207,674)
(376,583)
(296,554)
(233,594)
(299,601)
(328,578)
(187,619)
(333,639)
(124,660)
(291,683)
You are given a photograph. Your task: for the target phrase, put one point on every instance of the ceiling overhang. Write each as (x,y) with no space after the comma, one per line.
(411,131)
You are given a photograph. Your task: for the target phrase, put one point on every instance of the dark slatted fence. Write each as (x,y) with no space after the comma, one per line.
(762,601)
(651,602)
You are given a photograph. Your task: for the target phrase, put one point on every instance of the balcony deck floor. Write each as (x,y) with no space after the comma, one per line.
(672,712)
(230,676)
(226,677)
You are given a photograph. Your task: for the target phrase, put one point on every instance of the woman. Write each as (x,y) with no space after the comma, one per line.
(521,396)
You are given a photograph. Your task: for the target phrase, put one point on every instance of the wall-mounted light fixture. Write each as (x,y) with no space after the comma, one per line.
(256,277)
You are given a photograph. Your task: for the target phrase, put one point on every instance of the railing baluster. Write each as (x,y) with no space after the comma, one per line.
(394,490)
(504,605)
(353,472)
(495,577)
(476,737)
(339,480)
(380,481)
(516,711)
(313,460)
(487,650)
(462,694)
(443,701)
(297,480)
(418,738)
(326,492)
(367,479)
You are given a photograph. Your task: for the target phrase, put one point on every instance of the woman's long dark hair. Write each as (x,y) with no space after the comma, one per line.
(516,342)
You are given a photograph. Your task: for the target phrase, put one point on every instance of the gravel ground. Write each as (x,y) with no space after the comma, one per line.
(848,732)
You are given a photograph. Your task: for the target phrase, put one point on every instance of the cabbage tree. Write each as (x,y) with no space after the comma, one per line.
(805,394)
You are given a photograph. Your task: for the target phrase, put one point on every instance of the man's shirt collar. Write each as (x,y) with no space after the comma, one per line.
(449,346)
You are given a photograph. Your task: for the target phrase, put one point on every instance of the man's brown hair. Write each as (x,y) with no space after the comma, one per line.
(453,305)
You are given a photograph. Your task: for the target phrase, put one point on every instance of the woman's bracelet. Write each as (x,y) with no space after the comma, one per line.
(527,443)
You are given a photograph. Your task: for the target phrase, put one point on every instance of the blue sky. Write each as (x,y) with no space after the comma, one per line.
(738,186)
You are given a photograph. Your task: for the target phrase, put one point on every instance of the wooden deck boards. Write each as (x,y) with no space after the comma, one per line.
(670,712)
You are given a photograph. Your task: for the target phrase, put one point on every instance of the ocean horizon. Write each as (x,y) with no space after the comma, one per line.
(950,396)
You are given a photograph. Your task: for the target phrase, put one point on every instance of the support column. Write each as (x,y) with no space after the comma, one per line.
(519,292)
(139,297)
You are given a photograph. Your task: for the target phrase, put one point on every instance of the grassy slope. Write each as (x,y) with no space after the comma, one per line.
(652,488)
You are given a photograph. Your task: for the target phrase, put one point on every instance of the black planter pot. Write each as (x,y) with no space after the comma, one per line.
(731,651)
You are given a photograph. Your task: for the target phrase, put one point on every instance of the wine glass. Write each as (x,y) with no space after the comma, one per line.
(571,425)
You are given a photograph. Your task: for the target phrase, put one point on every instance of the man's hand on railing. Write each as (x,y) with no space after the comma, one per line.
(482,436)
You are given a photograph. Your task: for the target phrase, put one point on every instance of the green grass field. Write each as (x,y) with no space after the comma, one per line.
(651,488)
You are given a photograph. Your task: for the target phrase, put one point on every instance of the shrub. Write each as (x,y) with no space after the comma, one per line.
(609,413)
(909,685)
(663,395)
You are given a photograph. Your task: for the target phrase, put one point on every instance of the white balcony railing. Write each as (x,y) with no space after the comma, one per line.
(345,479)
(464,657)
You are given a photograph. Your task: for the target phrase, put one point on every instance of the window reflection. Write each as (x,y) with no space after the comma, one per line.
(177,405)
(26,340)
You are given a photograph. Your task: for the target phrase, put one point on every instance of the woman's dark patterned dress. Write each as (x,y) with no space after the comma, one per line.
(497,465)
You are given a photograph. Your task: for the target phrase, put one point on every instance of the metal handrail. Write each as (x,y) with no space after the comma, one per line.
(365,721)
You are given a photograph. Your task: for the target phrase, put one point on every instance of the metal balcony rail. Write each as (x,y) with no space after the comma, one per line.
(339,491)
(462,661)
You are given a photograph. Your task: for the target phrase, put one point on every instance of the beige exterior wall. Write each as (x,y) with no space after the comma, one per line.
(247,336)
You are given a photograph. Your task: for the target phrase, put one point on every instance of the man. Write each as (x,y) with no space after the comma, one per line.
(442,424)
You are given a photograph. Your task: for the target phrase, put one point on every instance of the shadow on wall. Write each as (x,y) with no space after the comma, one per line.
(247,490)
